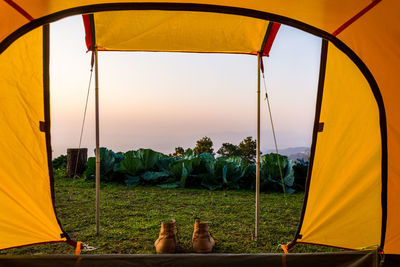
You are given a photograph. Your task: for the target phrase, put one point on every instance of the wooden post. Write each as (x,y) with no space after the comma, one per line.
(97,144)
(76,161)
(258,151)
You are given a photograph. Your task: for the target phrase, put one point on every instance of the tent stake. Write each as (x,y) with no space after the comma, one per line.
(97,145)
(258,151)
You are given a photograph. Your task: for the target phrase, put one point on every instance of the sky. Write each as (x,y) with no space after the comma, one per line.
(165,100)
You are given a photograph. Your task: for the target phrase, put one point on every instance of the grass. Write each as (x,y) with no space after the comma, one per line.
(131,217)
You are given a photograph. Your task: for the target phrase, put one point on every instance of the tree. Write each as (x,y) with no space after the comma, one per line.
(247,149)
(204,145)
(188,150)
(179,151)
(228,150)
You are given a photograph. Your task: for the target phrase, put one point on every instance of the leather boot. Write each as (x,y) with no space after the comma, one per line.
(166,242)
(202,239)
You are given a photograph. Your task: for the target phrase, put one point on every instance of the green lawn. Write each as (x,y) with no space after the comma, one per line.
(131,217)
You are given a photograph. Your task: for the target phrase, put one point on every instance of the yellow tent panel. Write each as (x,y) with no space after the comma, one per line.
(27,212)
(343,206)
(379,48)
(326,15)
(177,31)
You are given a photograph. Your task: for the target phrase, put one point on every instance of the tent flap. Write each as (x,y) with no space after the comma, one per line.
(344,195)
(176,31)
(27,212)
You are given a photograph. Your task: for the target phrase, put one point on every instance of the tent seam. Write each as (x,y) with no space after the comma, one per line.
(356,17)
(46,104)
(321,83)
(19,9)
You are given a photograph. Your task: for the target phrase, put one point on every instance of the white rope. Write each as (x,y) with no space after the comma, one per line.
(80,138)
(86,247)
(273,132)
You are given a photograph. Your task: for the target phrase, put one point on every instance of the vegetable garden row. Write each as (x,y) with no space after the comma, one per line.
(148,167)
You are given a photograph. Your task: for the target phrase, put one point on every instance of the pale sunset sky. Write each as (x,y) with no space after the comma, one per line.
(164,100)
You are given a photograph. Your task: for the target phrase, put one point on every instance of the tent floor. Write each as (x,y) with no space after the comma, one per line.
(354,259)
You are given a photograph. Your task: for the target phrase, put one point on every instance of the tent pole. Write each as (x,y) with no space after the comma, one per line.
(97,144)
(258,151)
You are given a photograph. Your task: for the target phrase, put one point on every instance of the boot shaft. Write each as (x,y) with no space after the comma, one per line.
(168,228)
(202,239)
(200,229)
(166,242)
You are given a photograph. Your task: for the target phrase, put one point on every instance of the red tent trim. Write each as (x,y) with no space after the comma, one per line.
(271,32)
(89,34)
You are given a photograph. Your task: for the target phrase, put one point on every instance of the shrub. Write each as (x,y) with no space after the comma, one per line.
(60,162)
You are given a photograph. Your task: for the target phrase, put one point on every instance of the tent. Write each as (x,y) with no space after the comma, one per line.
(353,181)
(177,31)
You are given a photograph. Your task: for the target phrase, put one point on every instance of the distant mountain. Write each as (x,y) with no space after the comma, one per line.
(294,153)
